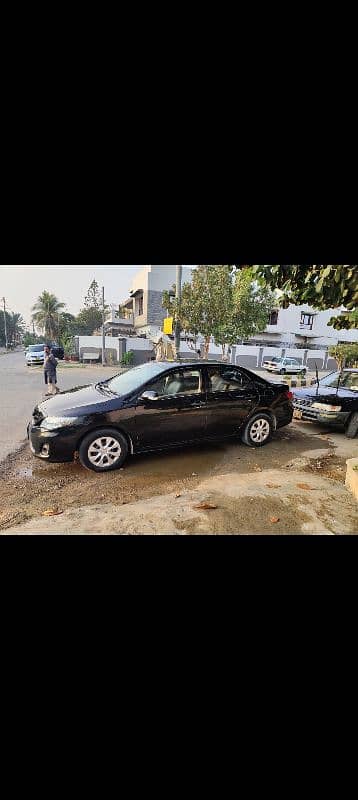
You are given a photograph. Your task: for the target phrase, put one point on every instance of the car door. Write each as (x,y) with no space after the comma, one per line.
(177,415)
(231,398)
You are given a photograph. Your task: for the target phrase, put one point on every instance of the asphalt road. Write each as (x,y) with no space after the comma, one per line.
(22,387)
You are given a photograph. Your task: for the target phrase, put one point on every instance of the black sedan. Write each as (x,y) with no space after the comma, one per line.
(332,401)
(157,406)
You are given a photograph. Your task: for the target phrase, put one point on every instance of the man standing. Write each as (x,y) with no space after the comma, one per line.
(50,365)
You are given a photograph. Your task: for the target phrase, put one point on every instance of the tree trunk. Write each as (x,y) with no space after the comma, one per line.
(207,347)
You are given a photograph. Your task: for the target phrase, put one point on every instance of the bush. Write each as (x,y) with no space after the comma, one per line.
(127,359)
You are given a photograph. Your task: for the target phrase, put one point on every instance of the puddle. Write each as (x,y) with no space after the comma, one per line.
(180,463)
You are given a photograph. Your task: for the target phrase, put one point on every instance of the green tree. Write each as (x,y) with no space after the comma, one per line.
(222,304)
(321,286)
(345,355)
(88,321)
(45,314)
(93,297)
(16,328)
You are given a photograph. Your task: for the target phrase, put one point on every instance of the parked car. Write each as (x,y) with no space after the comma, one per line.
(332,401)
(156,406)
(35,353)
(283,366)
(269,361)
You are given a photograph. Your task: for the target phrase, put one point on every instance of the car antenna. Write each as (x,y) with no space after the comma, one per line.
(340,377)
(317,377)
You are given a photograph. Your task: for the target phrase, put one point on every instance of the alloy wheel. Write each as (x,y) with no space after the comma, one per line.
(104,452)
(260,431)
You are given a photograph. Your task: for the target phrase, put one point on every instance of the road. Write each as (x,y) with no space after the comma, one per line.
(22,387)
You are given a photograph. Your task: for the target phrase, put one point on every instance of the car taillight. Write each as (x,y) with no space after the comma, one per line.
(288,395)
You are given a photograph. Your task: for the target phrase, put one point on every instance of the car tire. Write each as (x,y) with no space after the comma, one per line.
(257,431)
(282,372)
(103,450)
(352,427)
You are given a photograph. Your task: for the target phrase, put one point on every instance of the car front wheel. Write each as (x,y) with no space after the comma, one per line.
(282,372)
(103,450)
(257,431)
(352,427)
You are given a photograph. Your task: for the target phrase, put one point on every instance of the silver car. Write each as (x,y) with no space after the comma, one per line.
(283,366)
(35,354)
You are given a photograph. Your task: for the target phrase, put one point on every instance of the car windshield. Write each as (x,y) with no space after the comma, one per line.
(348,380)
(36,348)
(135,378)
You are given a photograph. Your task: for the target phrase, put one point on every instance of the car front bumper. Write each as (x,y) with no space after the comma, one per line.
(53,446)
(309,414)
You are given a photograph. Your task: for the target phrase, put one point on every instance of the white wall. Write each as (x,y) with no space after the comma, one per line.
(134,343)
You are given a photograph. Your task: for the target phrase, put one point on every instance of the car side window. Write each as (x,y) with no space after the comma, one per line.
(227,379)
(179,382)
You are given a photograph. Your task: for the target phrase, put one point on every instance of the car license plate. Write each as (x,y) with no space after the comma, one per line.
(297,414)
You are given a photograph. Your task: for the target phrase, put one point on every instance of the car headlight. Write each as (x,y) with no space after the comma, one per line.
(55,423)
(326,407)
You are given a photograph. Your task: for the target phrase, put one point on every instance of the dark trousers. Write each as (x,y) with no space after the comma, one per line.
(50,377)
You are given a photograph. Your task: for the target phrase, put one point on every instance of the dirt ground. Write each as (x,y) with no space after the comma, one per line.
(294,485)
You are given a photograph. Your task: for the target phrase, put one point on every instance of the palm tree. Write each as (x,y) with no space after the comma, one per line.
(16,326)
(46,314)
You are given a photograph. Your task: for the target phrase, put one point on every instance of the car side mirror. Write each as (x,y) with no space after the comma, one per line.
(149,396)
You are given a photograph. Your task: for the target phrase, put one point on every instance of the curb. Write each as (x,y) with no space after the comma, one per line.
(352,476)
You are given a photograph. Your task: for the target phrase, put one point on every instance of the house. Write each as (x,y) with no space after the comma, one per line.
(117,325)
(303,327)
(145,302)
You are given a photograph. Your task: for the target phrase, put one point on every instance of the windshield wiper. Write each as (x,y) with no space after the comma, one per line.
(102,387)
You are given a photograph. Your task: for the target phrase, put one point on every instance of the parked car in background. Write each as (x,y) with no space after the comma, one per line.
(156,406)
(270,361)
(285,366)
(35,353)
(332,401)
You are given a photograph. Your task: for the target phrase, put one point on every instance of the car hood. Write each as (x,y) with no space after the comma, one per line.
(78,402)
(323,394)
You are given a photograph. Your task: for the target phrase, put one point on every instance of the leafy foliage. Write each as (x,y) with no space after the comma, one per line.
(93,297)
(127,358)
(345,354)
(45,314)
(222,304)
(321,286)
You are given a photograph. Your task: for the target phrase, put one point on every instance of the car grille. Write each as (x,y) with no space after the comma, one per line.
(303,402)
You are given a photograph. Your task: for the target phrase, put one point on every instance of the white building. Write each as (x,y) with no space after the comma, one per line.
(303,326)
(145,302)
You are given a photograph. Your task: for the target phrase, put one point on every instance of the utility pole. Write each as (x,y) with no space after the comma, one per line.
(103,332)
(179,277)
(5,324)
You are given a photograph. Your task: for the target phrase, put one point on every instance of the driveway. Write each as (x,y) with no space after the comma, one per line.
(22,387)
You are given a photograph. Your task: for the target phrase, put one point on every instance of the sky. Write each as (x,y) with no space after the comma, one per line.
(21,285)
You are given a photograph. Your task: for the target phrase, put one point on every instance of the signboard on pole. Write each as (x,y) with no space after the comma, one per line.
(168,326)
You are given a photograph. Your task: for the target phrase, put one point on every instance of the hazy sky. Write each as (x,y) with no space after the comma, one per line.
(21,285)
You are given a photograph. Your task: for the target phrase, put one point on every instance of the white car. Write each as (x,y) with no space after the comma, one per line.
(283,366)
(35,354)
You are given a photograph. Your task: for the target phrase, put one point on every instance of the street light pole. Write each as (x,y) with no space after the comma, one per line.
(103,332)
(5,324)
(179,277)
